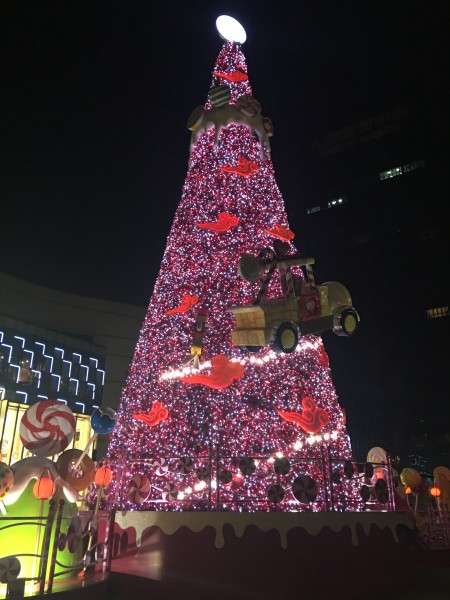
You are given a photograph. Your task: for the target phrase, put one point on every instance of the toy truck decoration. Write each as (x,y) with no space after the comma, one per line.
(305,309)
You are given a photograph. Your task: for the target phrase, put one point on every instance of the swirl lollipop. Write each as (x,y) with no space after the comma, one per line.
(47,428)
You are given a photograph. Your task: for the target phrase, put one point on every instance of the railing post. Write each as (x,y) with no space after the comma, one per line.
(45,546)
(109,535)
(217,476)
(326,477)
(330,469)
(55,545)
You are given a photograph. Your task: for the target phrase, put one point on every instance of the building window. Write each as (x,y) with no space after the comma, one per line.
(312,209)
(412,166)
(337,202)
(436,313)
(390,173)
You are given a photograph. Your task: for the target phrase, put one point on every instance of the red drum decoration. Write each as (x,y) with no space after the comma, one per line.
(103,476)
(44,488)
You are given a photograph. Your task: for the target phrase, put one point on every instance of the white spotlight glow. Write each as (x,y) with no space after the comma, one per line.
(230,29)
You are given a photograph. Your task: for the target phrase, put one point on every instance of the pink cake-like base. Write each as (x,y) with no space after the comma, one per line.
(235,556)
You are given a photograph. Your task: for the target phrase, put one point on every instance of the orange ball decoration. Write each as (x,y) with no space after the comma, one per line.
(103,476)
(44,488)
(435,491)
(408,490)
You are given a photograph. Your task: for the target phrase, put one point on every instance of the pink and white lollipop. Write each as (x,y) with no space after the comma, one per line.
(138,489)
(161,467)
(170,492)
(47,428)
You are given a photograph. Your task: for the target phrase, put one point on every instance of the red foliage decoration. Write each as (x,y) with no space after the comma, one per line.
(186,304)
(283,233)
(311,420)
(235,76)
(223,223)
(244,167)
(222,374)
(157,414)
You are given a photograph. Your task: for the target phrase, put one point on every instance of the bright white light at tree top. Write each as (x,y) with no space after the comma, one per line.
(230,29)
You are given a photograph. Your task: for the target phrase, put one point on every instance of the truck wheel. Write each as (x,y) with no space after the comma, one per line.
(285,337)
(347,323)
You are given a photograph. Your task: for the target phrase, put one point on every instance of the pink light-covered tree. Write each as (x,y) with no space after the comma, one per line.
(191,394)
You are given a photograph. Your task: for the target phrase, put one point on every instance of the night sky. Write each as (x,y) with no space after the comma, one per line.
(95,97)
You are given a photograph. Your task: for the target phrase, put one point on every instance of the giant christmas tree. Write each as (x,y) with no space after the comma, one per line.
(209,420)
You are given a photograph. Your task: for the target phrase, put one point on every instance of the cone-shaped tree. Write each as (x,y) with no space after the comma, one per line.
(225,401)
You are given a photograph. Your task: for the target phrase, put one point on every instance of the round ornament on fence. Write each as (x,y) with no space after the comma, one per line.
(281,466)
(381,491)
(247,466)
(61,542)
(185,465)
(170,492)
(275,493)
(9,569)
(138,489)
(304,489)
(203,473)
(74,534)
(225,476)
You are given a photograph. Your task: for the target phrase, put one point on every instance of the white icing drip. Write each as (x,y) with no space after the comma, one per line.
(220,117)
(313,524)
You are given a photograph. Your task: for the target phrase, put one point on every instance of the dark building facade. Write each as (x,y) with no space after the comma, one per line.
(374,215)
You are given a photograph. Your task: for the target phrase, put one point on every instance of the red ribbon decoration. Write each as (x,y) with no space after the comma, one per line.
(311,420)
(222,374)
(235,76)
(283,233)
(186,304)
(157,414)
(244,167)
(223,223)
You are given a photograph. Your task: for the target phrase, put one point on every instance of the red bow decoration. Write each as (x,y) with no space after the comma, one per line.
(244,167)
(222,374)
(311,420)
(223,223)
(186,304)
(283,233)
(154,416)
(235,76)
